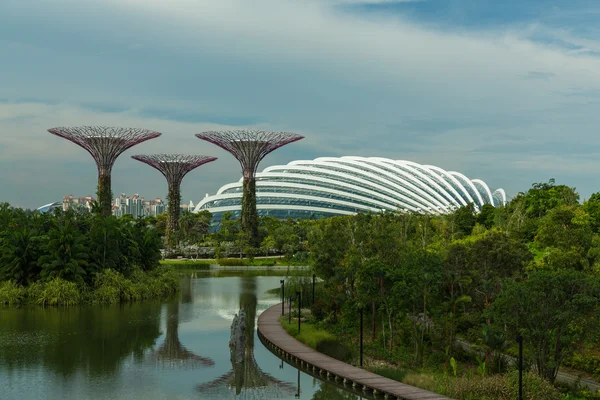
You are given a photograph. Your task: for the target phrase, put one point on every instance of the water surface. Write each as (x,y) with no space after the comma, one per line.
(177,349)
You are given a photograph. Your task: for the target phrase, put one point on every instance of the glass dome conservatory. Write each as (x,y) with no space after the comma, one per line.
(329,186)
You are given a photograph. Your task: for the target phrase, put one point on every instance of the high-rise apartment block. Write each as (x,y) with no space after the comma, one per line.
(84,203)
(137,206)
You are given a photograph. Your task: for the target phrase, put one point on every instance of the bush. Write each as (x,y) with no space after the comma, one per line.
(319,310)
(498,387)
(11,293)
(59,292)
(233,262)
(333,348)
(34,290)
(108,286)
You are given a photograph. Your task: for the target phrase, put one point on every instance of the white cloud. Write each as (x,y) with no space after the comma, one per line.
(349,82)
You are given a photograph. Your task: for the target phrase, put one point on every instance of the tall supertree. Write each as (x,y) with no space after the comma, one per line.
(249,147)
(174,167)
(105,144)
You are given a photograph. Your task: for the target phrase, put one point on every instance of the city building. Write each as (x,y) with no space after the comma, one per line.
(137,206)
(329,186)
(82,203)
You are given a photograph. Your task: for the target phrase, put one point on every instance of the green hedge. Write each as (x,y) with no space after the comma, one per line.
(109,287)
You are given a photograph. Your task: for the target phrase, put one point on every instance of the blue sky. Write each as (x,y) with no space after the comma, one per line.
(508,92)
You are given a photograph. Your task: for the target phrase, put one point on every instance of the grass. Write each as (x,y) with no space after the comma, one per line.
(310,335)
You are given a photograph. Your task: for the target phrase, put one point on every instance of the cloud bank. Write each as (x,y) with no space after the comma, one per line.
(512,104)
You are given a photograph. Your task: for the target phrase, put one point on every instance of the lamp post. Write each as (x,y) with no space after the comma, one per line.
(299,299)
(290,310)
(361,336)
(313,293)
(520,341)
(282,296)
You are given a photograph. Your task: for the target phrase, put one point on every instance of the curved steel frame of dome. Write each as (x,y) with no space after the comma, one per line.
(349,185)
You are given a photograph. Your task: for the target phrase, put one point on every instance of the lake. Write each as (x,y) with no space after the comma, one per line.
(176,349)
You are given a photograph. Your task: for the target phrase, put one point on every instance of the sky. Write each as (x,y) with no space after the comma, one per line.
(504,91)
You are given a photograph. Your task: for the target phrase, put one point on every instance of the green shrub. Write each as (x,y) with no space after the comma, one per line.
(59,292)
(107,295)
(396,374)
(108,286)
(34,290)
(497,387)
(319,310)
(233,262)
(11,293)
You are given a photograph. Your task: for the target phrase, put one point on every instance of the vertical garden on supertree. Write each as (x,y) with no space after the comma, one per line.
(174,167)
(105,144)
(249,147)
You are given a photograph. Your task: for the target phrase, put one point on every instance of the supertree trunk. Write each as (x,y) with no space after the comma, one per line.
(174,168)
(249,211)
(105,193)
(249,147)
(105,145)
(174,200)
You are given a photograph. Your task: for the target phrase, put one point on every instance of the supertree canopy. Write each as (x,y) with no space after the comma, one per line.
(105,144)
(249,147)
(174,167)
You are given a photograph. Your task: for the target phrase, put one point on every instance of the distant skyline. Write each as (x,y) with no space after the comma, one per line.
(507,92)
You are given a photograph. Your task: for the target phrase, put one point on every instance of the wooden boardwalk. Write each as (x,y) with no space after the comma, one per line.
(281,343)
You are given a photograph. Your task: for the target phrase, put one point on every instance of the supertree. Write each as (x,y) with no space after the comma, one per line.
(105,144)
(174,167)
(249,147)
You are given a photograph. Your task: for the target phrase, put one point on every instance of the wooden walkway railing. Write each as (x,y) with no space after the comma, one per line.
(281,343)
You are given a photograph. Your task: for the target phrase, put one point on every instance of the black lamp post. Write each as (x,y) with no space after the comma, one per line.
(361,336)
(282,296)
(298,297)
(313,294)
(520,341)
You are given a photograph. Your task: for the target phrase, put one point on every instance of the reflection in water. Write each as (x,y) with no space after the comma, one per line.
(128,351)
(172,352)
(245,373)
(66,340)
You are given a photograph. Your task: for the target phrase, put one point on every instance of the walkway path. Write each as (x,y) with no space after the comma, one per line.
(280,342)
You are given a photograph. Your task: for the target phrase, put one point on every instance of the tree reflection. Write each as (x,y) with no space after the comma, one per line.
(245,375)
(66,340)
(172,352)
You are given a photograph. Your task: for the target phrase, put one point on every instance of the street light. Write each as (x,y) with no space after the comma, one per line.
(520,341)
(313,294)
(361,336)
(282,296)
(299,300)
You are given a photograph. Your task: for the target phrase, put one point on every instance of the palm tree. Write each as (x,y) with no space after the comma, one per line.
(66,253)
(19,256)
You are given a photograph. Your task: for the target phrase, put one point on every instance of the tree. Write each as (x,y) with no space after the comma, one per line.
(66,253)
(486,216)
(592,207)
(553,310)
(465,219)
(19,256)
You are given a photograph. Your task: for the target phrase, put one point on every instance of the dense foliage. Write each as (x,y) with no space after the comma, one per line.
(65,258)
(462,286)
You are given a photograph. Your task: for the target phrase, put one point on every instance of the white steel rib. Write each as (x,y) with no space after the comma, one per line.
(348,185)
